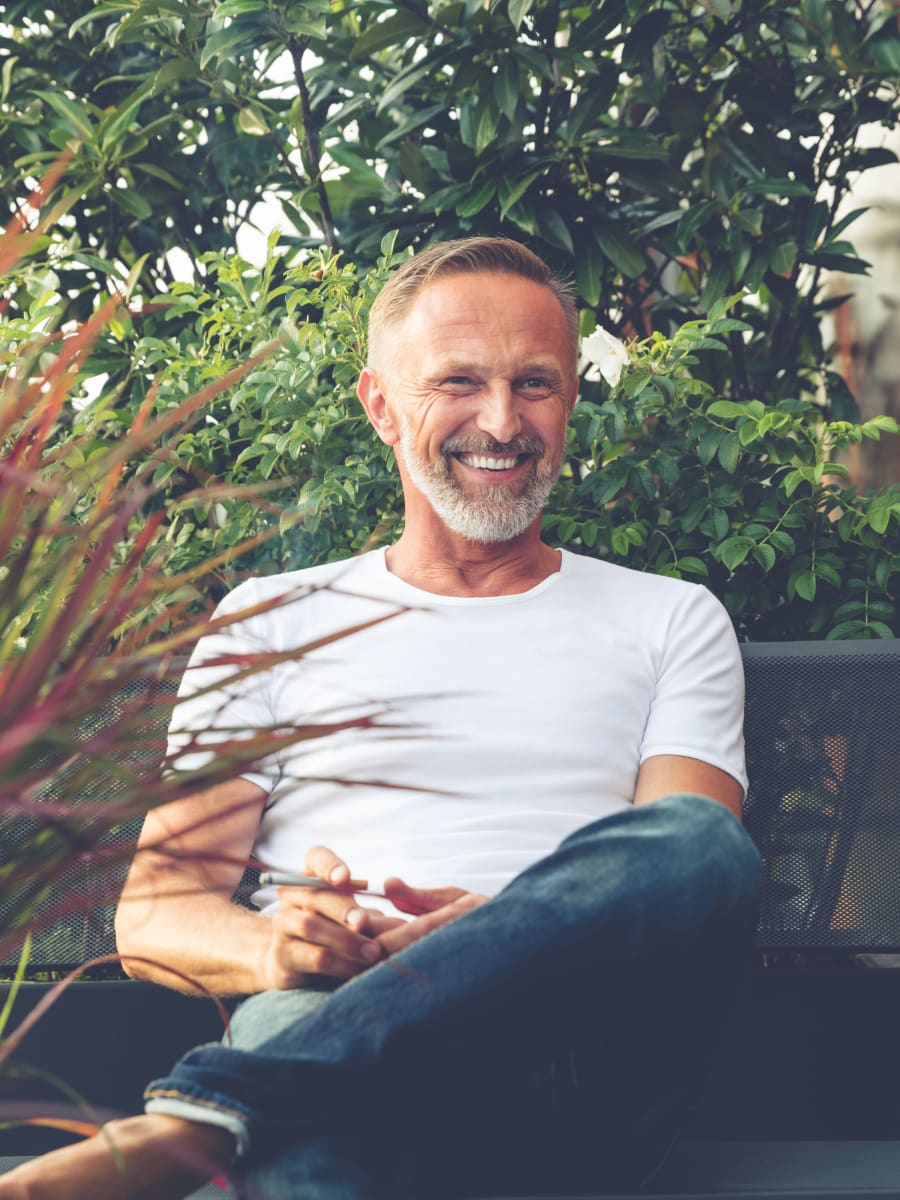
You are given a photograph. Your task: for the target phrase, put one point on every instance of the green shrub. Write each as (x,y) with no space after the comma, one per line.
(663,474)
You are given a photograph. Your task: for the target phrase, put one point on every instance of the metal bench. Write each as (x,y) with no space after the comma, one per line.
(803,1098)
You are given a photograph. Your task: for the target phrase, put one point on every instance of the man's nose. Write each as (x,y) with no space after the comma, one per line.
(498,413)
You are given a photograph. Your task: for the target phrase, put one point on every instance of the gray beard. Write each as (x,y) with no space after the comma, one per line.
(496,514)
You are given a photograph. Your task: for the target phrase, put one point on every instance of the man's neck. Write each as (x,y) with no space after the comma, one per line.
(448,565)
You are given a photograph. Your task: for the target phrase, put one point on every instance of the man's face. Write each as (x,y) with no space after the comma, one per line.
(479,379)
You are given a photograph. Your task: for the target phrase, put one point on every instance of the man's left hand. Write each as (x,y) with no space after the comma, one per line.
(430,908)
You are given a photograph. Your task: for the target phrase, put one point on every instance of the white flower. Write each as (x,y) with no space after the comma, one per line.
(606,353)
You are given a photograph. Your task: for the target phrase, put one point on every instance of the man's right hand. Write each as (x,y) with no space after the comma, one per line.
(322,931)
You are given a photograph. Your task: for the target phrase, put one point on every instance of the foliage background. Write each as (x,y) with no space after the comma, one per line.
(667,154)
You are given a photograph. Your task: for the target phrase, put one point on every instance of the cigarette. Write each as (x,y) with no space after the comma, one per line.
(290,879)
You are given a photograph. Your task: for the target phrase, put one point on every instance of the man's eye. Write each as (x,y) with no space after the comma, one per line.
(534,383)
(458,381)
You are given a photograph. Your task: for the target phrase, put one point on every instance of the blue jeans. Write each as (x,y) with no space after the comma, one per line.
(550,1039)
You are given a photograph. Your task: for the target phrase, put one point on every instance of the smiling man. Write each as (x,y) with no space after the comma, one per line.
(540,755)
(479,412)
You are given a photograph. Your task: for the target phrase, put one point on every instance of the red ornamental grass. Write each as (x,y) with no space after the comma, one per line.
(89,609)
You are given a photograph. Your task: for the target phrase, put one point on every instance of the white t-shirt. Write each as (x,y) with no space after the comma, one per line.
(501,724)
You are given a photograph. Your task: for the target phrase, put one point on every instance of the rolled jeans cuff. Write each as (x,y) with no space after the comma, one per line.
(203,1112)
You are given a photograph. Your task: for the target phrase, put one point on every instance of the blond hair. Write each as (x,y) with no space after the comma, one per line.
(464,256)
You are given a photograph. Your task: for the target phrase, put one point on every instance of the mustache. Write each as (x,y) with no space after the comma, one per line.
(523,443)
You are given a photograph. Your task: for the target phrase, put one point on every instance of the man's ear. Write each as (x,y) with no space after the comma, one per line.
(374,401)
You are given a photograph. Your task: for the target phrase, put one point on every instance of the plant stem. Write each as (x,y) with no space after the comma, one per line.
(309,141)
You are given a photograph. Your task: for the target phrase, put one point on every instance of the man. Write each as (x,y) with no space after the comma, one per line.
(555,733)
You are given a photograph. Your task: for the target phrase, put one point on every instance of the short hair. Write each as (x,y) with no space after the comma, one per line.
(461,256)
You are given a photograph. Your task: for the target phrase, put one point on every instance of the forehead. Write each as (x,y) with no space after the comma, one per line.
(485,313)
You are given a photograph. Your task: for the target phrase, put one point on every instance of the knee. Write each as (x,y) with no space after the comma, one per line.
(709,848)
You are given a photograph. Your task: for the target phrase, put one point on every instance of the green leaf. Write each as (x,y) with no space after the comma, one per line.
(734,550)
(717,282)
(477,200)
(621,250)
(239,8)
(71,112)
(777,187)
(879,519)
(361,171)
(828,573)
(840,262)
(694,566)
(510,191)
(881,629)
(666,466)
(846,221)
(727,408)
(589,274)
(783,542)
(691,221)
(765,556)
(250,121)
(792,481)
(607,483)
(556,230)
(886,53)
(403,83)
(783,257)
(518,10)
(223,44)
(506,88)
(846,629)
(393,30)
(729,453)
(708,445)
(132,201)
(694,514)
(882,423)
(6,77)
(485,129)
(805,585)
(566,529)
(112,130)
(748,432)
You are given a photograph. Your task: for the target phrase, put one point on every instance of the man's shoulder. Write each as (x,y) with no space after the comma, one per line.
(287,584)
(639,603)
(619,582)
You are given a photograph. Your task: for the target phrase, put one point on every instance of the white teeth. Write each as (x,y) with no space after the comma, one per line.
(488,464)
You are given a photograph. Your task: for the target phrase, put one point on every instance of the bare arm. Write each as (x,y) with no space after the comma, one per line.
(176,909)
(668,774)
(661,775)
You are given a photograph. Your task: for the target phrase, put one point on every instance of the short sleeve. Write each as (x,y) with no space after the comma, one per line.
(698,706)
(218,700)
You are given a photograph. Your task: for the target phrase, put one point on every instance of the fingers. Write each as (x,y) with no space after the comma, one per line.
(419,900)
(305,942)
(380,923)
(325,865)
(406,934)
(320,931)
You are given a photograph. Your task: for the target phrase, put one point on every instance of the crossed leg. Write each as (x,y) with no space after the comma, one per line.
(673,884)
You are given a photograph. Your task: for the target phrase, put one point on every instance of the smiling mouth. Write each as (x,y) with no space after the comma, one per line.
(491,462)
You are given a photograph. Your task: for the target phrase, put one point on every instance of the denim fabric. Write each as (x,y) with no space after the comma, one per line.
(550,1039)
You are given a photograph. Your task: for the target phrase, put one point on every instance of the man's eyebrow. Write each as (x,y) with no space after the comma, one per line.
(459,366)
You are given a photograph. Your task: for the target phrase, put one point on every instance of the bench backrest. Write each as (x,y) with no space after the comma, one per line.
(823,745)
(822,724)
